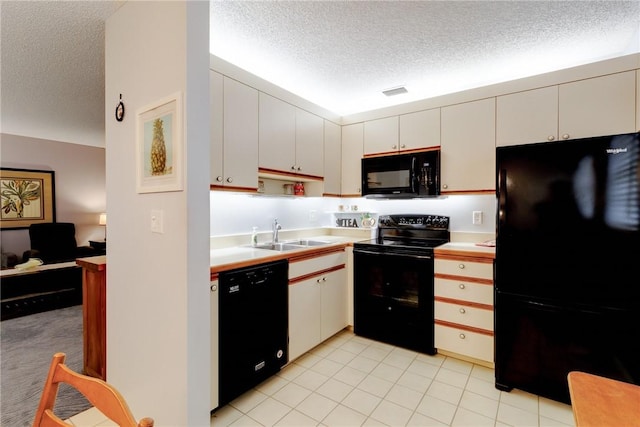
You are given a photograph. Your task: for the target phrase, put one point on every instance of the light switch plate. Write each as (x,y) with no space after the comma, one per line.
(157,225)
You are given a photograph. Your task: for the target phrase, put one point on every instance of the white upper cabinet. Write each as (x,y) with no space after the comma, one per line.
(467,162)
(234,134)
(277,134)
(309,144)
(404,133)
(599,106)
(352,150)
(420,130)
(585,108)
(291,139)
(216,161)
(332,158)
(526,117)
(381,136)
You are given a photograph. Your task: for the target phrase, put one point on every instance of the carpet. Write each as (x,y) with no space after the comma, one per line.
(27,345)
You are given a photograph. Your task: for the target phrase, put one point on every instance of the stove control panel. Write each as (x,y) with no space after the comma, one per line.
(438,222)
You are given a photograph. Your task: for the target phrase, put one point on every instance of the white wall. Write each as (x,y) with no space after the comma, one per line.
(233,213)
(158,334)
(79,174)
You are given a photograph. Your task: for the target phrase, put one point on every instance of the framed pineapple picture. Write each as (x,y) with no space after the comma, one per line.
(159,147)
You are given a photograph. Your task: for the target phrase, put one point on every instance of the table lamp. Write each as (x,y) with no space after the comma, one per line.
(103,221)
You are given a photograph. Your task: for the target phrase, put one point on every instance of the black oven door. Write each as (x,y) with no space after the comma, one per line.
(393,298)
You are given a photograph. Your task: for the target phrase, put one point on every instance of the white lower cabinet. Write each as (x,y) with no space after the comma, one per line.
(463,307)
(317,300)
(464,342)
(463,314)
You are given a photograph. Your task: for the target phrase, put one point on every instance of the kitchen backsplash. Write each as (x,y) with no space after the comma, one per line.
(233,213)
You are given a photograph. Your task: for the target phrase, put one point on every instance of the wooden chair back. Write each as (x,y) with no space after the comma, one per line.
(100,394)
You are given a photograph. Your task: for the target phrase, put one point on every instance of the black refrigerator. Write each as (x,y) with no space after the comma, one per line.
(567,268)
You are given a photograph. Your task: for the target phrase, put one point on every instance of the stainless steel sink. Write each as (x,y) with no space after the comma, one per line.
(307,242)
(291,245)
(281,247)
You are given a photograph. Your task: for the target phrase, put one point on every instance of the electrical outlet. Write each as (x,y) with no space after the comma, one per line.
(477,217)
(312,216)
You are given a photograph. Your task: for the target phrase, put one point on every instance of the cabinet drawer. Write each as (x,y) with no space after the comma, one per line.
(306,266)
(466,343)
(464,315)
(479,270)
(463,290)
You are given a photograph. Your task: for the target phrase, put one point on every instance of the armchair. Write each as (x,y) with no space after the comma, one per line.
(55,242)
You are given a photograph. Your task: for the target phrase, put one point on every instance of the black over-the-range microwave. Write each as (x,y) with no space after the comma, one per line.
(402,175)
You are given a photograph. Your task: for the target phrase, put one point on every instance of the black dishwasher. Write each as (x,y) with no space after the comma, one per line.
(253,324)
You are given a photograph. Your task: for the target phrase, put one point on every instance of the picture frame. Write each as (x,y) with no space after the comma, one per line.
(27,197)
(159,146)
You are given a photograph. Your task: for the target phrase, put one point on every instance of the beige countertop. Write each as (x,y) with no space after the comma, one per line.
(466,249)
(222,259)
(228,253)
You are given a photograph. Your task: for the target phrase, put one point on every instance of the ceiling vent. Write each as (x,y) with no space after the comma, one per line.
(395,91)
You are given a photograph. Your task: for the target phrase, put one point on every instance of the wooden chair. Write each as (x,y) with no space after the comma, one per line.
(101,395)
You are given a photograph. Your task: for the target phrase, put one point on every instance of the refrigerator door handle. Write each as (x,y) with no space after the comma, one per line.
(502,198)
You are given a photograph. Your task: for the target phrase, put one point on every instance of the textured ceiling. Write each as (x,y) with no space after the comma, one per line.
(343,54)
(337,54)
(52,69)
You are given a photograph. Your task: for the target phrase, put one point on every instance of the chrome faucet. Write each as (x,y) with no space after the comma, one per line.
(276,228)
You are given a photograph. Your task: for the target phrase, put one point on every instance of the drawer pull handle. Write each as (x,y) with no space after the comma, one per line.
(461,286)
(461,266)
(462,336)
(462,311)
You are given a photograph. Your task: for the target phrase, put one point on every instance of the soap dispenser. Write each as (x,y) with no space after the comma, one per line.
(254,237)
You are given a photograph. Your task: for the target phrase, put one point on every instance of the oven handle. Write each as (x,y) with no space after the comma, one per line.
(360,251)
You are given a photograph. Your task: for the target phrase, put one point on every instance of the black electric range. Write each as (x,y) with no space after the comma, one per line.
(393,280)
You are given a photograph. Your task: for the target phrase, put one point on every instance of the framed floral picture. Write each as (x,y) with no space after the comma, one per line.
(28,197)
(159,146)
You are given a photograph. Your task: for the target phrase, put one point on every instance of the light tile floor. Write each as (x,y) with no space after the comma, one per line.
(353,381)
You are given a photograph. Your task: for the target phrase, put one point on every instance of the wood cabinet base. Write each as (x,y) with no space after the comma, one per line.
(94,284)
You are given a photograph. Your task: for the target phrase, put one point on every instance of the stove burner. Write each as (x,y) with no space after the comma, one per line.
(408,232)
(427,222)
